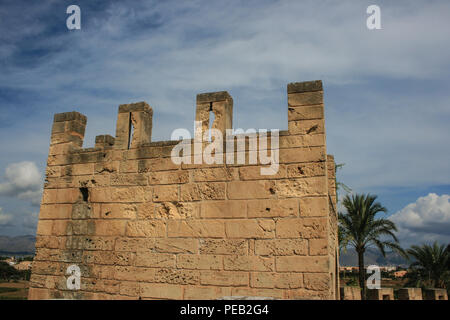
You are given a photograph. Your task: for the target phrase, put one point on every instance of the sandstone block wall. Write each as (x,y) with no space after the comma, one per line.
(350,293)
(380,294)
(410,294)
(435,294)
(141,227)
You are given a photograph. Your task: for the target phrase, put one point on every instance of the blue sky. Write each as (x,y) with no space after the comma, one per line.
(387,92)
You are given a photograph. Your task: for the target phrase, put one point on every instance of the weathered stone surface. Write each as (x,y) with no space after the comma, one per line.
(213,97)
(303,228)
(176,210)
(203,191)
(249,189)
(281,247)
(224,278)
(205,293)
(140,226)
(257,229)
(410,294)
(258,293)
(305,99)
(118,211)
(317,281)
(313,206)
(196,228)
(143,228)
(175,177)
(128,179)
(215,174)
(202,262)
(307,86)
(306,170)
(110,227)
(316,126)
(161,291)
(435,294)
(254,173)
(380,294)
(295,188)
(276,280)
(161,260)
(299,141)
(302,264)
(223,246)
(350,293)
(249,263)
(165,193)
(224,209)
(318,247)
(296,113)
(301,155)
(272,208)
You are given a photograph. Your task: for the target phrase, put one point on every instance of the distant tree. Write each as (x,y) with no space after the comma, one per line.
(8,273)
(431,265)
(448,252)
(360,229)
(25,258)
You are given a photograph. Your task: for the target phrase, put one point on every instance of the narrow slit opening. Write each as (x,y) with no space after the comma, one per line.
(212,117)
(84,194)
(130,132)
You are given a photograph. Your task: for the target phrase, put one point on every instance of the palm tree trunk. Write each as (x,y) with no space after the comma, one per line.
(362,284)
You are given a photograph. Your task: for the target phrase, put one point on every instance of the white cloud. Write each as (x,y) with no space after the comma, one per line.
(5,218)
(23,180)
(424,221)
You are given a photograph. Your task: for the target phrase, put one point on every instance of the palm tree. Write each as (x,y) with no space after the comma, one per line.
(360,229)
(431,265)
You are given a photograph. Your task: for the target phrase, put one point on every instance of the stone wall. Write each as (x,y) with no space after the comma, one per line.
(141,227)
(410,294)
(350,293)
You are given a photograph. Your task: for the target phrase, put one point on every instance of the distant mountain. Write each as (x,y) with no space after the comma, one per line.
(372,256)
(20,245)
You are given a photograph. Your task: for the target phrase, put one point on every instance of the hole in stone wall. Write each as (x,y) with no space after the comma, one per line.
(84,194)
(386,297)
(130,132)
(211,121)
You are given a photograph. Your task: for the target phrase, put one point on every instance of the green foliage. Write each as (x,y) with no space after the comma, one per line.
(360,229)
(431,266)
(8,273)
(352,282)
(5,290)
(25,258)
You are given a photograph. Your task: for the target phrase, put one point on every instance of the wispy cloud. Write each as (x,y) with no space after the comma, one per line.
(24,181)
